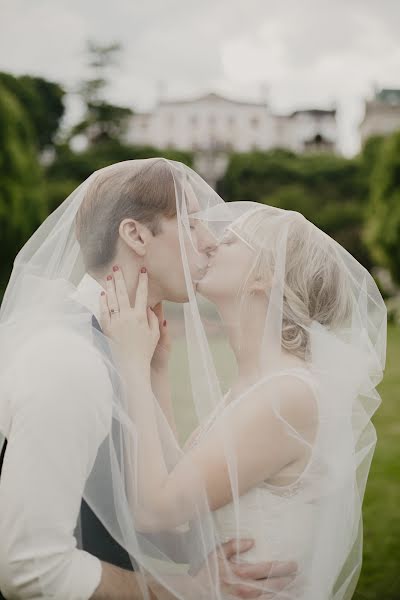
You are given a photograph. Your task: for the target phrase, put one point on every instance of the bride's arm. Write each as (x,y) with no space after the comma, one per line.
(161,387)
(261,442)
(260,445)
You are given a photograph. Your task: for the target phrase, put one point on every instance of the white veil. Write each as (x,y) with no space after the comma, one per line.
(324,327)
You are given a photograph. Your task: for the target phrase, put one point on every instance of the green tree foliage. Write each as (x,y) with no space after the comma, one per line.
(42,102)
(102,122)
(330,191)
(22,203)
(369,156)
(382,232)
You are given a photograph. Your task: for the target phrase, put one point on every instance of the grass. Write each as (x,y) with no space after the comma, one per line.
(380,575)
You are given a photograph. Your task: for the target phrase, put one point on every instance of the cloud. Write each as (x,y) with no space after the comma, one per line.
(312,52)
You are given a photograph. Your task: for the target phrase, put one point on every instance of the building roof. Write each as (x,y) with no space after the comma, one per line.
(315,112)
(215,97)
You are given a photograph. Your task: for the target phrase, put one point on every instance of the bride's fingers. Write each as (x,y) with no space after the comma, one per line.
(111,295)
(159,312)
(104,312)
(164,335)
(121,290)
(153,322)
(142,293)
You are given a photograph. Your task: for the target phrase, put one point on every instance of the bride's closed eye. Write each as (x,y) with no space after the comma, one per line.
(227,238)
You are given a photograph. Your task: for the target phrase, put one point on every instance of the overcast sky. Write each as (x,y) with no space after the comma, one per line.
(308,53)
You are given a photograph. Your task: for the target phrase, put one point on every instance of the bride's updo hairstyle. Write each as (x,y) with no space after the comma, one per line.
(315,286)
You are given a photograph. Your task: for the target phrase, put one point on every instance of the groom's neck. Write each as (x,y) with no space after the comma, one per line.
(131,280)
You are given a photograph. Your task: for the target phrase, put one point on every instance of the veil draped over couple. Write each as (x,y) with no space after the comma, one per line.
(186,393)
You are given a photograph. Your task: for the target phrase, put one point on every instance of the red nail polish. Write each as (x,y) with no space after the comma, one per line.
(143,270)
(109,277)
(115,268)
(165,323)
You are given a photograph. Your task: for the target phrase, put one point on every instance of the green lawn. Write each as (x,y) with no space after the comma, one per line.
(380,576)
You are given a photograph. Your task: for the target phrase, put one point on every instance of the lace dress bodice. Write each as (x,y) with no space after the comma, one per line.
(280,519)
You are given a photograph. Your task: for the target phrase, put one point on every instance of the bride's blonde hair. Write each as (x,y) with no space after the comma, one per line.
(315,286)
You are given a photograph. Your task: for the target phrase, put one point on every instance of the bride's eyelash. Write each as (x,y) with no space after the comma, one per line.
(227,239)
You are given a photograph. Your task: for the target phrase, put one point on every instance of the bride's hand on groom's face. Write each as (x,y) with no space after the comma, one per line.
(134,329)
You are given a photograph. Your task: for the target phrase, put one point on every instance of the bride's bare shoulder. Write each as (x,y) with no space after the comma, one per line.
(290,395)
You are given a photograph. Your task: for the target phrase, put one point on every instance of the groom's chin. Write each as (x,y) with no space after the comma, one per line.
(201,289)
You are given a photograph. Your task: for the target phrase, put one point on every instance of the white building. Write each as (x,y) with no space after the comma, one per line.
(382,114)
(212,126)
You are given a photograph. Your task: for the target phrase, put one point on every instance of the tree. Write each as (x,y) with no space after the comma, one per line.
(102,121)
(382,232)
(22,203)
(329,190)
(42,102)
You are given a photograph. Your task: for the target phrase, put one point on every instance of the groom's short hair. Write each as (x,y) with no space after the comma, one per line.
(123,191)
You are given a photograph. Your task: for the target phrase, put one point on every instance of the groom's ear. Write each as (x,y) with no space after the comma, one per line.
(135,235)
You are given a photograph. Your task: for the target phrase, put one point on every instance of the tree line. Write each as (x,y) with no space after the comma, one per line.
(356,201)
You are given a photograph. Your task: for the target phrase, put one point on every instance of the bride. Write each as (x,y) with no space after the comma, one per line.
(283,456)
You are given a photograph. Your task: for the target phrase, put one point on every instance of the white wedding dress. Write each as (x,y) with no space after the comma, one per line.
(280,519)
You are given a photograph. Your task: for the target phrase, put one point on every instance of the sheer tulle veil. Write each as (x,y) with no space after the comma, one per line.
(323,327)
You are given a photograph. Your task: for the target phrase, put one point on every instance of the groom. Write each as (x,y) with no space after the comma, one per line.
(129,221)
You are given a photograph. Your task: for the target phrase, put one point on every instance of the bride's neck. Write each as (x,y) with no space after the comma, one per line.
(245,327)
(245,330)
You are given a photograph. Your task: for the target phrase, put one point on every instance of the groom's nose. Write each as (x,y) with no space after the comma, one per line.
(206,241)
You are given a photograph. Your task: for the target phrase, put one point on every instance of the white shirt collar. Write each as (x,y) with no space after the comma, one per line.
(88,294)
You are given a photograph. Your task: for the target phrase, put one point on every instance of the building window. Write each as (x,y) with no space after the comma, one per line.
(231,121)
(193,120)
(254,122)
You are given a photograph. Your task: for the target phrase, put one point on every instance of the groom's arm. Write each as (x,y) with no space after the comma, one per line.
(118,584)
(60,398)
